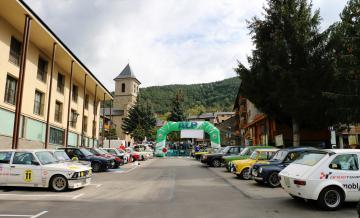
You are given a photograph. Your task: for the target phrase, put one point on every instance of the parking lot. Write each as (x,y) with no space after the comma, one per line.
(170,187)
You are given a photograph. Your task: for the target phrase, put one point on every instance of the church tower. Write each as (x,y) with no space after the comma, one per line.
(126,92)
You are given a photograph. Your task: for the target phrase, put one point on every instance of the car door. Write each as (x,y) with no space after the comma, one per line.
(25,170)
(5,157)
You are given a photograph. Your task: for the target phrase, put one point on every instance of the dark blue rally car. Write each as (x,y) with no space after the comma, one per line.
(267,173)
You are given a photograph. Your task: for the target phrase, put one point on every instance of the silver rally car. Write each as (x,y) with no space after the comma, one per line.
(39,168)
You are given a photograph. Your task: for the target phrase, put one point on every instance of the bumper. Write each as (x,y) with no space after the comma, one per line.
(258,178)
(78,183)
(204,161)
(288,185)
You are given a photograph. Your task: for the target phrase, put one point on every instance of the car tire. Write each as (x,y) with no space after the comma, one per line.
(330,198)
(273,180)
(96,167)
(245,174)
(216,163)
(58,183)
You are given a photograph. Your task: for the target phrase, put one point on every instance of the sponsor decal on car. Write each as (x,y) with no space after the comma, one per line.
(352,186)
(325,175)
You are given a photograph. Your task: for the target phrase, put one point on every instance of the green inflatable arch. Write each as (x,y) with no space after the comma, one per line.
(178,126)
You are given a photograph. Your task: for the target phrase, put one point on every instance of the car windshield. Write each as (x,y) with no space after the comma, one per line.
(225,150)
(245,151)
(279,156)
(61,156)
(86,152)
(254,155)
(101,151)
(46,157)
(310,158)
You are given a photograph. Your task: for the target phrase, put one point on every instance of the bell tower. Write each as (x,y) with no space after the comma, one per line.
(126,92)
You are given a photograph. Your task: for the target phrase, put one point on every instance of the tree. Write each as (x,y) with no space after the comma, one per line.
(344,46)
(289,67)
(177,112)
(140,121)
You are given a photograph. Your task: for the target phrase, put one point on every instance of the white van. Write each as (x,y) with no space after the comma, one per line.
(328,176)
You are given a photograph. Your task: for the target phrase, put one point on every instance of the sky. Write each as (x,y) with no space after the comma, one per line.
(165,41)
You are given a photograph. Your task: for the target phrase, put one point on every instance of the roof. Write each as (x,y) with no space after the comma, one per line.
(210,115)
(127,73)
(299,149)
(343,151)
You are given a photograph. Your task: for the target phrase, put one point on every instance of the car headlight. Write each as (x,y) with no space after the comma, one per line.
(260,170)
(75,175)
(204,157)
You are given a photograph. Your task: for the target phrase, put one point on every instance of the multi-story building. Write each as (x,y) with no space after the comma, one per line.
(45,90)
(214,118)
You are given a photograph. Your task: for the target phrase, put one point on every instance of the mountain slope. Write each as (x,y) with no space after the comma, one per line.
(206,97)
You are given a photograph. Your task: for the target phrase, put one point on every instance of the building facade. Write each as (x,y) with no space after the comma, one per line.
(59,94)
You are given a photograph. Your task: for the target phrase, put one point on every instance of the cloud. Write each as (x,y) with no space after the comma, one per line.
(172,41)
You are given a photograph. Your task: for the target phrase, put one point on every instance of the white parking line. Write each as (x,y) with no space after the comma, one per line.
(22,215)
(77,196)
(39,214)
(97,185)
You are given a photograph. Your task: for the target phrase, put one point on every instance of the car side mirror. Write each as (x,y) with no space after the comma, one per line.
(35,162)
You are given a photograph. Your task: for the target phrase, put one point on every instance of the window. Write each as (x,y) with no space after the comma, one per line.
(310,158)
(23,158)
(75,93)
(345,162)
(123,87)
(38,103)
(10,90)
(85,123)
(58,111)
(86,101)
(15,51)
(73,117)
(56,136)
(94,128)
(42,69)
(60,83)
(134,88)
(5,157)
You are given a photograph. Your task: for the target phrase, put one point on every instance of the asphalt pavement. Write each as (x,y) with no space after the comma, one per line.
(169,187)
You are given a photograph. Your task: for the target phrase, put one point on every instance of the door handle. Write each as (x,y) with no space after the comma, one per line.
(12,167)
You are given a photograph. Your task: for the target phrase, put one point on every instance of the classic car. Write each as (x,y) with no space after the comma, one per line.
(242,167)
(97,163)
(39,168)
(267,173)
(329,177)
(216,159)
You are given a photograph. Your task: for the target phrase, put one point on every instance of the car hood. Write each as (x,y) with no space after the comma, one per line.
(67,166)
(99,158)
(215,155)
(245,161)
(266,163)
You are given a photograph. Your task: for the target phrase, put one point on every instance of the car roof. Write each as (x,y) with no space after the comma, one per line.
(267,149)
(298,149)
(24,150)
(342,151)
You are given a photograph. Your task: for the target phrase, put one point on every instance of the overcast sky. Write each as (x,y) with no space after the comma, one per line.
(165,41)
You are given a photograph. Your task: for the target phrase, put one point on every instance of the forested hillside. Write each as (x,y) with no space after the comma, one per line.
(198,98)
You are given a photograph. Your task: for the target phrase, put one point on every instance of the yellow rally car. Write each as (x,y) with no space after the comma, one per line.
(242,167)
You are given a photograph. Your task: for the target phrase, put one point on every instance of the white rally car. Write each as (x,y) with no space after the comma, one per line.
(328,176)
(39,168)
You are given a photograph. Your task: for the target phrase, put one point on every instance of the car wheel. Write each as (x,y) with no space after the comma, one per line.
(245,173)
(59,183)
(96,167)
(273,180)
(216,163)
(330,198)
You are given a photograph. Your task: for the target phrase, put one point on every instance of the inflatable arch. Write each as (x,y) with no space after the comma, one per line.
(178,126)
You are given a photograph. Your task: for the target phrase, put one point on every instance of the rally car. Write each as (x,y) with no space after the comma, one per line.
(118,153)
(39,168)
(267,173)
(242,167)
(329,177)
(245,154)
(215,159)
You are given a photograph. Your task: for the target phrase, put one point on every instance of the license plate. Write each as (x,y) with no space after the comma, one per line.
(287,181)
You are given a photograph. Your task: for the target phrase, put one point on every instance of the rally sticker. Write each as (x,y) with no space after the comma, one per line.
(28,175)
